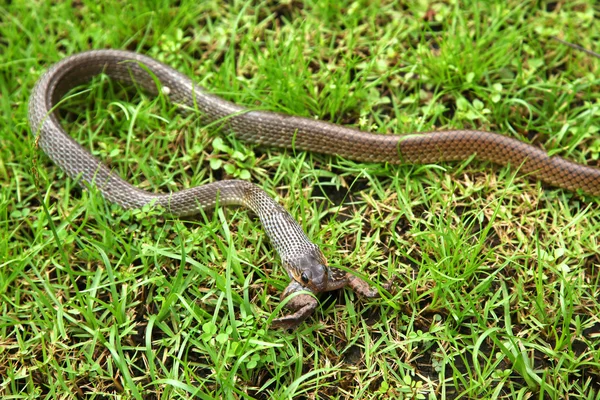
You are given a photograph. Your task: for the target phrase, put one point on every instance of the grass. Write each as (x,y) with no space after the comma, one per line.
(498,293)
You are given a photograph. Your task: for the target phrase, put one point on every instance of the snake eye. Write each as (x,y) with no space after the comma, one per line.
(304,278)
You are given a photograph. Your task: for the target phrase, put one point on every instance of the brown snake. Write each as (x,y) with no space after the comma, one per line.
(304,262)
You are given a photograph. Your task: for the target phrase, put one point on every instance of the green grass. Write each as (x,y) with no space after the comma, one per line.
(498,292)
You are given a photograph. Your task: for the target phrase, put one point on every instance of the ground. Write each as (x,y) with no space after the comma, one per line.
(497,293)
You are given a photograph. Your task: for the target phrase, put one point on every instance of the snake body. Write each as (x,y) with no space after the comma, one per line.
(302,259)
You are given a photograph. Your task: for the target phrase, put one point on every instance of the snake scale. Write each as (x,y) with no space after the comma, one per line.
(303,260)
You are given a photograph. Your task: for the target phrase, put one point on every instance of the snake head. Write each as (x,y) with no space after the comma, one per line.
(310,270)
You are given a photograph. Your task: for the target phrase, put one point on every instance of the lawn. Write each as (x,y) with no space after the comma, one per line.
(497,293)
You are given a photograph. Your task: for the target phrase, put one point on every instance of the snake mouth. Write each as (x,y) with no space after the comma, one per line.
(318,283)
(309,272)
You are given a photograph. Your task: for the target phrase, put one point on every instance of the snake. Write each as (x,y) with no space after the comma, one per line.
(304,262)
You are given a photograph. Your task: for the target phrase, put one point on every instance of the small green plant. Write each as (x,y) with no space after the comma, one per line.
(240,345)
(235,162)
